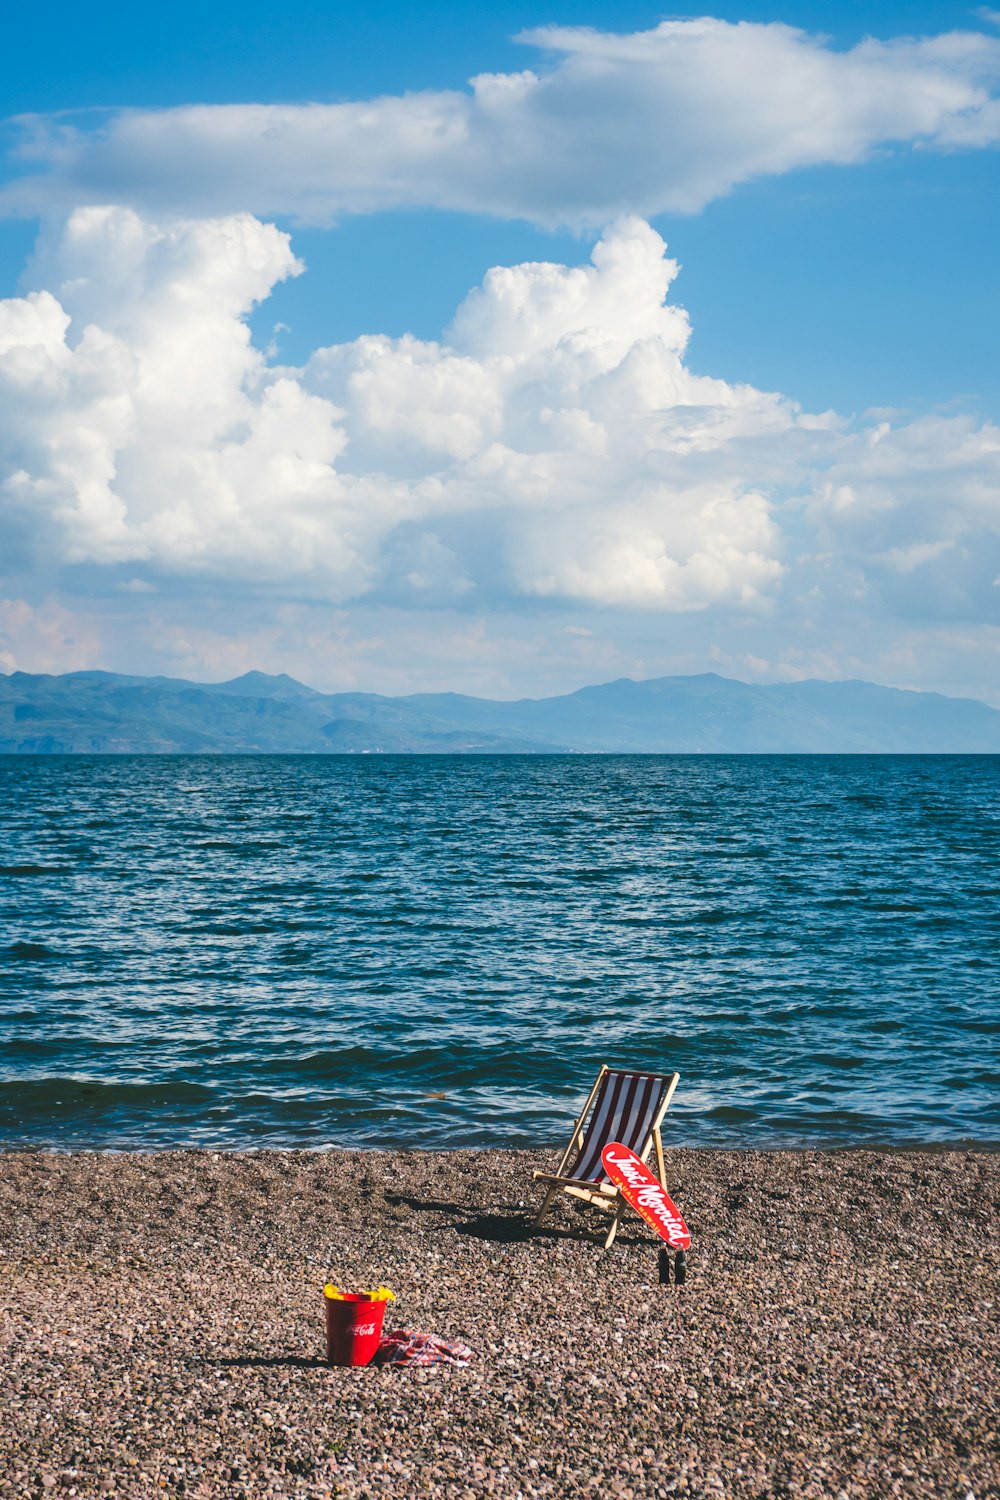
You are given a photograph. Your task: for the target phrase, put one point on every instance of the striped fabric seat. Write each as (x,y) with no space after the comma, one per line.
(625,1111)
(627,1108)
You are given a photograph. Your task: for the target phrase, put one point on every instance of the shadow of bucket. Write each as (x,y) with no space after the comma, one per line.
(353,1328)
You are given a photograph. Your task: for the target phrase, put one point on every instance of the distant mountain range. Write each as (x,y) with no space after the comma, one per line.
(104,713)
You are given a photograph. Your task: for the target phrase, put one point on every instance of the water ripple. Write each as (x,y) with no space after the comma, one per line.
(438,951)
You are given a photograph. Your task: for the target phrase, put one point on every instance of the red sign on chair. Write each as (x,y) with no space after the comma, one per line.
(645,1194)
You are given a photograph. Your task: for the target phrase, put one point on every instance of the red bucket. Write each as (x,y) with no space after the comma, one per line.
(353,1328)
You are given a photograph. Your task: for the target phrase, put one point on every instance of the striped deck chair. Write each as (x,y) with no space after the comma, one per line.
(624,1107)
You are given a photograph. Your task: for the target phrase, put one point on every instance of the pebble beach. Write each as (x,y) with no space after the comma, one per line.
(161,1326)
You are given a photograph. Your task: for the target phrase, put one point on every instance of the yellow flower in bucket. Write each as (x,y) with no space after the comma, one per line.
(336,1295)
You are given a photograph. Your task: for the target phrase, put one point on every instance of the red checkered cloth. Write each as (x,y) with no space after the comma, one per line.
(405,1346)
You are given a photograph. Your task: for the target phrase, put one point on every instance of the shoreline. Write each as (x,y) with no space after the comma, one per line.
(988,1147)
(162,1327)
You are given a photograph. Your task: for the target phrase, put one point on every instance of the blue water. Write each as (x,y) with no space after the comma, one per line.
(435,951)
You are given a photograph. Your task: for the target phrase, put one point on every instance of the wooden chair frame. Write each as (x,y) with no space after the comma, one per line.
(604,1195)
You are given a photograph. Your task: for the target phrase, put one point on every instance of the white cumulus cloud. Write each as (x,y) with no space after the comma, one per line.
(555,446)
(554,451)
(656,121)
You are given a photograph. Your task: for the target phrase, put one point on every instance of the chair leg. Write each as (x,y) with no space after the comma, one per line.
(614,1225)
(546,1205)
(661,1167)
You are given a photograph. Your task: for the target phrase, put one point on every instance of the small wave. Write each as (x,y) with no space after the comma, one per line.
(24,870)
(449,1067)
(29,951)
(52,1107)
(731,1114)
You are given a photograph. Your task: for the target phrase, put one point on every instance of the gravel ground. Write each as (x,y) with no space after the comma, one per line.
(161,1328)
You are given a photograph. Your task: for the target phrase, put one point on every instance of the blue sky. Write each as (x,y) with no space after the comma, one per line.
(839,258)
